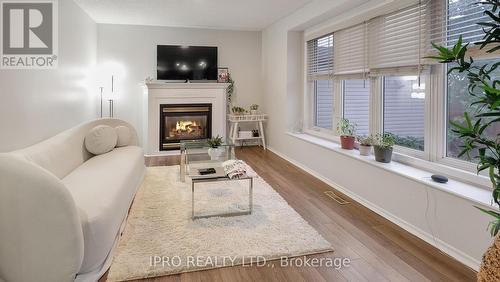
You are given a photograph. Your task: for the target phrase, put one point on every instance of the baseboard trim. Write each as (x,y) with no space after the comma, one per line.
(437,243)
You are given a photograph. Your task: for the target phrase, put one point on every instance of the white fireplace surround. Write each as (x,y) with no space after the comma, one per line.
(158,93)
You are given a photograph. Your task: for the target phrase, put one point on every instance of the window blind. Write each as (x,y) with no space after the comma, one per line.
(351,49)
(451,18)
(320,57)
(397,39)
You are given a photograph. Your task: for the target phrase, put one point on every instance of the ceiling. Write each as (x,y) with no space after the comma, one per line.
(220,14)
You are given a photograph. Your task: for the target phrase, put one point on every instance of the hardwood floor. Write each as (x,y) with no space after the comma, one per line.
(378,249)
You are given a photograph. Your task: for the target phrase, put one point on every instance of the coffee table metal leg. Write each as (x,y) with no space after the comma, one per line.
(183,166)
(192,199)
(250,203)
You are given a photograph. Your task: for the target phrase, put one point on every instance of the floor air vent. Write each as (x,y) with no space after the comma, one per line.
(336,198)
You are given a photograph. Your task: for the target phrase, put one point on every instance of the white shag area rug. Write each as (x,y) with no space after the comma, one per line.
(161,238)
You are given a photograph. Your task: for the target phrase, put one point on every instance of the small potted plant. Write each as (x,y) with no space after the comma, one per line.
(215,151)
(238,110)
(253,109)
(347,131)
(365,144)
(383,147)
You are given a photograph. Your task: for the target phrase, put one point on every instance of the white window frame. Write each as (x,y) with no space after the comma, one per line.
(440,153)
(309,113)
(433,158)
(401,150)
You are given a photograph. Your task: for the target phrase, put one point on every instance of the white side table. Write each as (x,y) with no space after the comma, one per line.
(235,121)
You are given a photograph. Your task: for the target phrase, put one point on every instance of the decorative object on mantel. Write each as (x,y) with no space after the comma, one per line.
(254,109)
(365,145)
(383,144)
(236,119)
(347,131)
(215,152)
(485,111)
(223,75)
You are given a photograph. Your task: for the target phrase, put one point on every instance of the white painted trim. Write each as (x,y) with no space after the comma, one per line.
(181,93)
(477,195)
(439,244)
(158,84)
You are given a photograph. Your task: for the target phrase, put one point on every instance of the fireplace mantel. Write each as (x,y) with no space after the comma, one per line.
(192,85)
(158,93)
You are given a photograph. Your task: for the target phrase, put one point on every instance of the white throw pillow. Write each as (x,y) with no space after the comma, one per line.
(124,136)
(101,139)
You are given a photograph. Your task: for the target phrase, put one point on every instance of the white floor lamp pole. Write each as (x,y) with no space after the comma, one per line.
(102,88)
(111,108)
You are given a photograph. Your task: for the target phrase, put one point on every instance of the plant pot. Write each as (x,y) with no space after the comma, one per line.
(215,153)
(253,112)
(365,150)
(490,266)
(347,142)
(383,154)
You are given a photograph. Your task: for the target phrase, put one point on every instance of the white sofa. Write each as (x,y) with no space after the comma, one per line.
(62,209)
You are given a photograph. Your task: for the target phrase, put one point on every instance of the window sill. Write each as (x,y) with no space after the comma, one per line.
(478,195)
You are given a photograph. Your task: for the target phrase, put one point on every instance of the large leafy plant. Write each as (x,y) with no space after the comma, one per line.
(484,88)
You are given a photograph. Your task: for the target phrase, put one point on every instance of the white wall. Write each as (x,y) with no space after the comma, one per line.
(36,104)
(134,48)
(445,220)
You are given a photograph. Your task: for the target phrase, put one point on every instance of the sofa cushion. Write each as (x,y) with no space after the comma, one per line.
(103,188)
(101,139)
(124,136)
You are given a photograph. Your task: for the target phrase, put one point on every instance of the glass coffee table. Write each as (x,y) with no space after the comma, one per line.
(196,156)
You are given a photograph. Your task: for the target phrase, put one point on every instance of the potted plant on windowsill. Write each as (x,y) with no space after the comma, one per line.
(347,131)
(382,147)
(215,151)
(365,144)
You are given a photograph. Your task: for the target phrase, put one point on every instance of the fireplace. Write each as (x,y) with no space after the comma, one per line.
(184,122)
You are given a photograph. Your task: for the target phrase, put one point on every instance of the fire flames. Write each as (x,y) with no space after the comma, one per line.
(186,126)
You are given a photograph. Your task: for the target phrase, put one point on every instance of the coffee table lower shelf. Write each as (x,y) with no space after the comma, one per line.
(205,180)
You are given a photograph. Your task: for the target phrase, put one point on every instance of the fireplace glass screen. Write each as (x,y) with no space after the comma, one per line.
(184,122)
(185,127)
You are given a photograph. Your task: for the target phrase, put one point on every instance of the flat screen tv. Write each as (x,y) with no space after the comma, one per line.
(181,63)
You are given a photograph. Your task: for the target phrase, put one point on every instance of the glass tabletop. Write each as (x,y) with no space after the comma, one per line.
(198,155)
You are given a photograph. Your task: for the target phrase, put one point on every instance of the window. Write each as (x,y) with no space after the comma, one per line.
(357,103)
(320,57)
(462,18)
(323,104)
(390,51)
(458,101)
(404,110)
(319,71)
